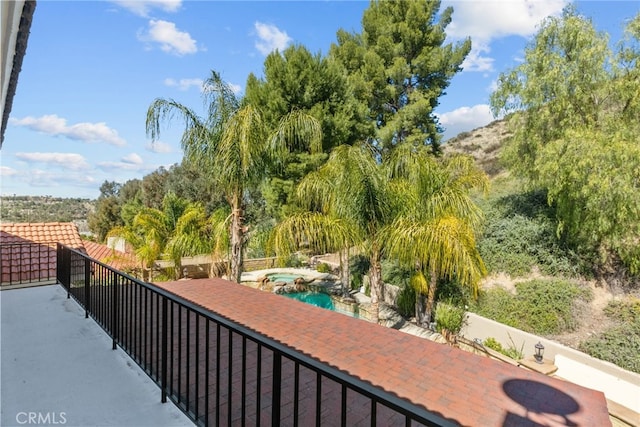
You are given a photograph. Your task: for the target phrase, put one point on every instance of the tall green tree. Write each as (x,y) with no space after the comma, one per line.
(108,209)
(562,84)
(399,66)
(296,79)
(234,145)
(574,108)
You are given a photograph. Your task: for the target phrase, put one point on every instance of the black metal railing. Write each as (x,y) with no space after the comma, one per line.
(219,372)
(27,263)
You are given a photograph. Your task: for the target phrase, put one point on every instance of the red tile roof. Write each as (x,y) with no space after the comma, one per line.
(41,232)
(471,390)
(116,259)
(28,250)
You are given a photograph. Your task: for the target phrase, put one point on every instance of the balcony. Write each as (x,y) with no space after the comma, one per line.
(230,355)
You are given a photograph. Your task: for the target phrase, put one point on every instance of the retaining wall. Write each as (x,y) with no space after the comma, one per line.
(618,385)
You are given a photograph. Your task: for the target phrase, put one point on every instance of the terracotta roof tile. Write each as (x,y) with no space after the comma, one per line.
(49,233)
(28,250)
(116,259)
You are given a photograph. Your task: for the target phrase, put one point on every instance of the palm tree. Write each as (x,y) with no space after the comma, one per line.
(234,146)
(435,223)
(346,202)
(151,230)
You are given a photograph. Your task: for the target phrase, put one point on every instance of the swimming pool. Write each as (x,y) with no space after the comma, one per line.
(319,299)
(283,277)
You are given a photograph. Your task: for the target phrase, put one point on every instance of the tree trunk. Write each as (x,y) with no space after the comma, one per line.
(431,296)
(345,274)
(375,281)
(237,235)
(419,307)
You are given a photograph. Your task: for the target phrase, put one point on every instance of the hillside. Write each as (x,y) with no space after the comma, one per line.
(483,144)
(44,209)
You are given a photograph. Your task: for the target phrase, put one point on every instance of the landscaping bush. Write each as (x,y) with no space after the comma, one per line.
(449,317)
(358,267)
(539,306)
(323,268)
(453,292)
(620,344)
(626,310)
(394,274)
(294,261)
(510,351)
(520,233)
(406,301)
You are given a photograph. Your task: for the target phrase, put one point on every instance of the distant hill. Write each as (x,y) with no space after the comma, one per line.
(44,209)
(484,144)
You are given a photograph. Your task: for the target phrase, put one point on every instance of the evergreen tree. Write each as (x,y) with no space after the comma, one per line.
(399,66)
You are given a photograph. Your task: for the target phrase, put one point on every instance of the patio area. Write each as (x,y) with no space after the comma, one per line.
(58,368)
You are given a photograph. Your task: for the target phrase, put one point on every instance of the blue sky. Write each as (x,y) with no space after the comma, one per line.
(93,68)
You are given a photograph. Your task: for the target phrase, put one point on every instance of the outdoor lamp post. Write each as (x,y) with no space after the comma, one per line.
(539,352)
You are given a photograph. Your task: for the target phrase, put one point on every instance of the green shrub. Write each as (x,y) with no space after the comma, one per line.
(394,274)
(619,345)
(294,261)
(627,310)
(358,267)
(511,351)
(323,268)
(520,233)
(539,306)
(454,292)
(406,301)
(449,317)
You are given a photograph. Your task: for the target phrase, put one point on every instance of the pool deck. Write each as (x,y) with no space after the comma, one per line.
(468,389)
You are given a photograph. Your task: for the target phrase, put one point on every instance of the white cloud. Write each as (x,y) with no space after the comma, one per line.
(158,147)
(487,20)
(491,19)
(70,161)
(184,84)
(130,162)
(57,126)
(270,38)
(235,88)
(133,159)
(170,39)
(465,119)
(475,61)
(7,171)
(45,178)
(143,7)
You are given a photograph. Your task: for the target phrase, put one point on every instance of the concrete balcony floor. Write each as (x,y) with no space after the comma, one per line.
(58,368)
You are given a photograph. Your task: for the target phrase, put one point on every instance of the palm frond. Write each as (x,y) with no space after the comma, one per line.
(312,230)
(444,245)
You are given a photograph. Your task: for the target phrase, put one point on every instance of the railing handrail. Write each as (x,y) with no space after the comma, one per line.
(419,413)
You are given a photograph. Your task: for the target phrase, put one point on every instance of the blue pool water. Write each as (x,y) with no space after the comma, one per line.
(318,299)
(283,277)
(314,298)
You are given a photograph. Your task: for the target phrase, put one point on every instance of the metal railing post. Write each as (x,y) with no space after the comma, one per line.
(87,287)
(165,330)
(114,309)
(277,388)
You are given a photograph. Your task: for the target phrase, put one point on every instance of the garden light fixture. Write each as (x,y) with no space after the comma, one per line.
(539,352)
